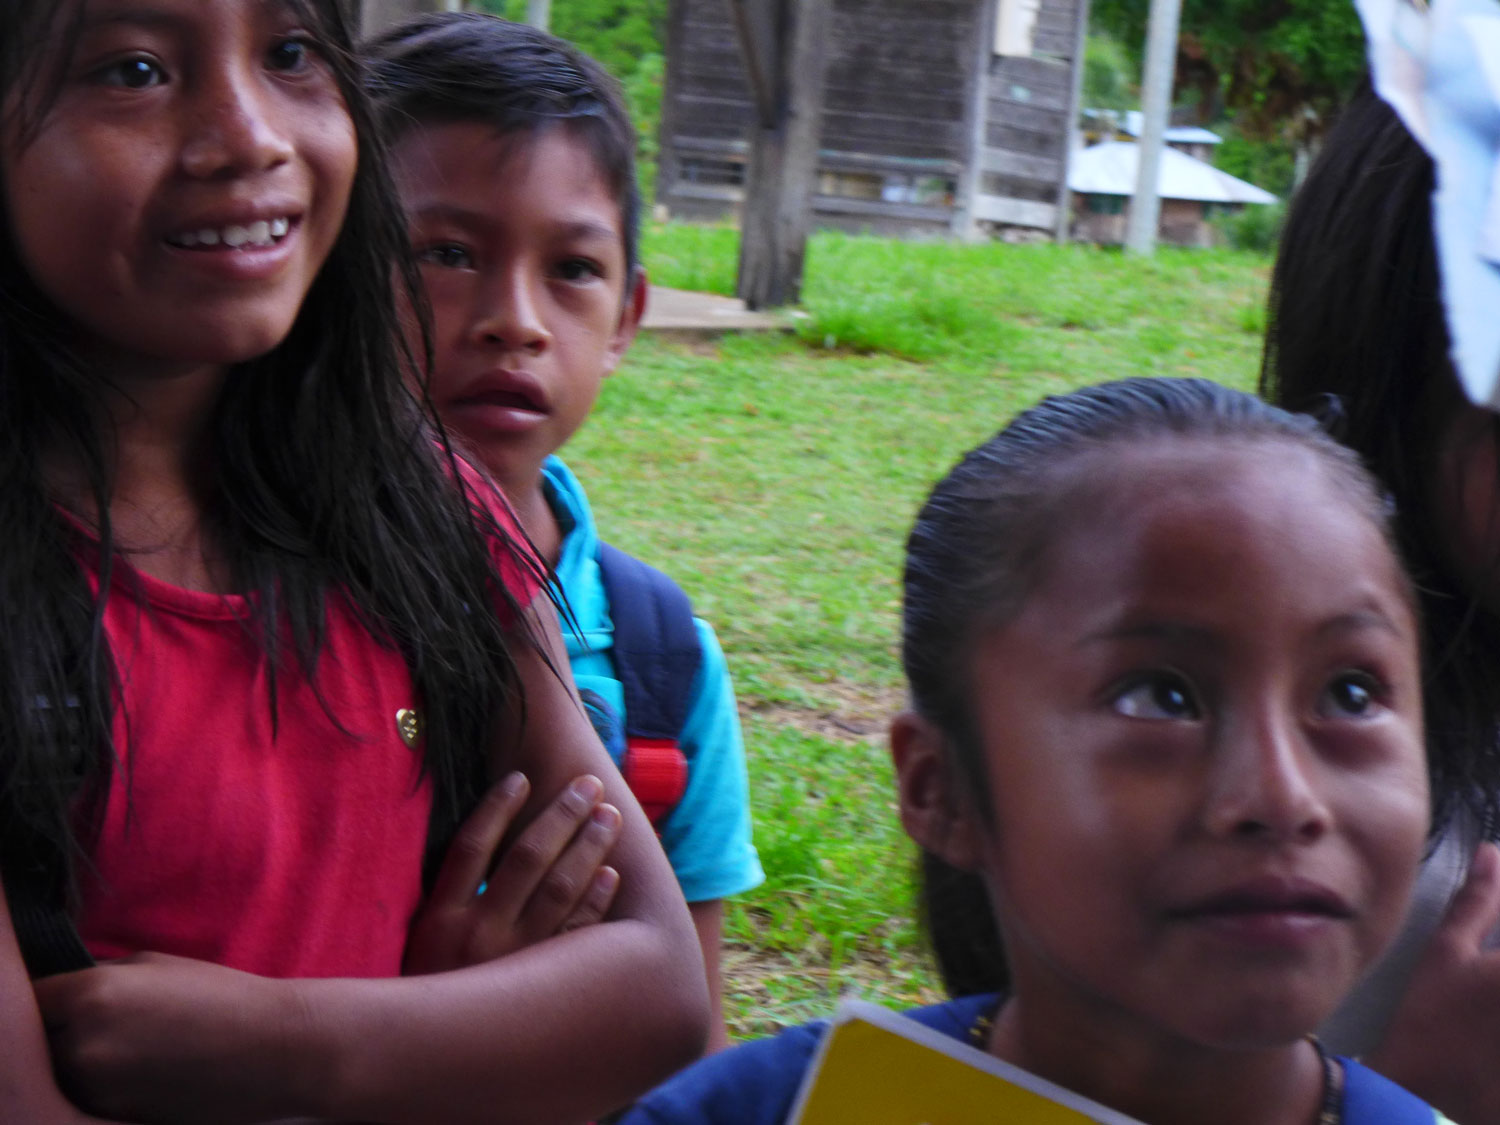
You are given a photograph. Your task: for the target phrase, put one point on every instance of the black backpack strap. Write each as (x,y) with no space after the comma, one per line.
(656,651)
(45,931)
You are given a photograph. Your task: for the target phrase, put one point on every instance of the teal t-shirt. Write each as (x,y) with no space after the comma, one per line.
(707,836)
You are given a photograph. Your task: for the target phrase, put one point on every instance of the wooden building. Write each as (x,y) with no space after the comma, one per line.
(939,115)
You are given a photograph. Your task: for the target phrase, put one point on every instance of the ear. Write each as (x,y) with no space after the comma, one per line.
(631,313)
(933,812)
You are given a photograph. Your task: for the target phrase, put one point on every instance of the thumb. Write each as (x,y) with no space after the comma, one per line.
(1475,909)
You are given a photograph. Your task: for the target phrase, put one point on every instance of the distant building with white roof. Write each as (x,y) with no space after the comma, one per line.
(1113,125)
(1102,178)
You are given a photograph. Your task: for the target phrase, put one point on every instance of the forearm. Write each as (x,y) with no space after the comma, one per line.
(28,1091)
(562,1032)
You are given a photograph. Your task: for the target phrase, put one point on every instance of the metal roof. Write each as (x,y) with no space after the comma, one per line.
(1176,134)
(1111,168)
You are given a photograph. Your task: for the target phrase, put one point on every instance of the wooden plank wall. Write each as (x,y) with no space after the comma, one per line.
(1026,135)
(895,100)
(896,79)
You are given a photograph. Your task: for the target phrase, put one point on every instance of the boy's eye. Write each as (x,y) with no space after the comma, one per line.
(134,73)
(1158,696)
(578,269)
(446,255)
(1353,695)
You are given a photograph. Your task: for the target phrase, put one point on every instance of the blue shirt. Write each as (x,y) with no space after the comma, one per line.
(707,836)
(755,1084)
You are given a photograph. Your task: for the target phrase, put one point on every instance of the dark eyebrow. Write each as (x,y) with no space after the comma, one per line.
(135,17)
(1360,620)
(1175,631)
(145,16)
(440,210)
(587,228)
(465,217)
(1180,633)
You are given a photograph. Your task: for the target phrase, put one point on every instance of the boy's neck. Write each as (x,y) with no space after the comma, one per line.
(1165,1081)
(536,516)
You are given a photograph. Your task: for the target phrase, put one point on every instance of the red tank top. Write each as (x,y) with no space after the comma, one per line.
(292,850)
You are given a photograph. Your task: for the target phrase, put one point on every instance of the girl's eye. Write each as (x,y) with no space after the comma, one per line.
(289,55)
(134,73)
(1162,696)
(1353,695)
(446,255)
(578,269)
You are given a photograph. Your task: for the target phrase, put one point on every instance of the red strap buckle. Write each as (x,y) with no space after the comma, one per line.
(656,771)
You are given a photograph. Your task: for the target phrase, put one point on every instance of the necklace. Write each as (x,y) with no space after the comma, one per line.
(1330,1112)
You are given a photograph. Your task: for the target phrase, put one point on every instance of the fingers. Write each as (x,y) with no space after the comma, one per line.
(1475,909)
(469,857)
(577,890)
(546,873)
(597,900)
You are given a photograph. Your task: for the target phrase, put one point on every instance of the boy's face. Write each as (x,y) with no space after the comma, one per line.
(523,256)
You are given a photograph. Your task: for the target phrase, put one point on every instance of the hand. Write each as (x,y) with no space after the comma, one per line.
(160,1038)
(549,879)
(1441,1042)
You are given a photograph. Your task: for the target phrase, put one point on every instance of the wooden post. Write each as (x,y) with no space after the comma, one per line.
(1156,107)
(1070,127)
(977,101)
(784,43)
(539,13)
(377,15)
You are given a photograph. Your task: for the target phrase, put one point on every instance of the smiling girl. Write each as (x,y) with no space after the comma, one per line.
(267,642)
(1166,727)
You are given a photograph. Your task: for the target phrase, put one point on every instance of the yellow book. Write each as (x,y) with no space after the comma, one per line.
(876,1067)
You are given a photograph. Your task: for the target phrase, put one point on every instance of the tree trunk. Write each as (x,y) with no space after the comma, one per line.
(784,42)
(539,13)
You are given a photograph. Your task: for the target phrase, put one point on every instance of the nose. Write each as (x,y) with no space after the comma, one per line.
(1263,782)
(234,128)
(508,312)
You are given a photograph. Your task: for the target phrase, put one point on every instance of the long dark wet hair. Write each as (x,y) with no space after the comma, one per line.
(972,560)
(1357,335)
(330,478)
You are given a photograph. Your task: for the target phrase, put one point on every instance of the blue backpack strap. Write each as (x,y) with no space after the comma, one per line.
(1371,1099)
(656,649)
(656,657)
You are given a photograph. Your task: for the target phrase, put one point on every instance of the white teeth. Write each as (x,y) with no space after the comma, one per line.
(262,232)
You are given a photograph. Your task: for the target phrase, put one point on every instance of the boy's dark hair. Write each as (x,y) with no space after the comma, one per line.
(974,554)
(456,67)
(328,480)
(1357,334)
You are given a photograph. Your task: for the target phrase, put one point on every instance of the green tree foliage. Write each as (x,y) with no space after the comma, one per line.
(1280,67)
(1108,75)
(1265,162)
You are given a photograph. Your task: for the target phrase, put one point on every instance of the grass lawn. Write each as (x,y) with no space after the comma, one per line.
(775,478)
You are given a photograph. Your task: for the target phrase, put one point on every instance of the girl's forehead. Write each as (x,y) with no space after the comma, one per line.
(1177,509)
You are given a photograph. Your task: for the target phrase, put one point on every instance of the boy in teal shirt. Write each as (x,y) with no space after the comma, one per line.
(515,160)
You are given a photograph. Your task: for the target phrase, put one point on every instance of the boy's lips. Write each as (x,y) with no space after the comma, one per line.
(502,402)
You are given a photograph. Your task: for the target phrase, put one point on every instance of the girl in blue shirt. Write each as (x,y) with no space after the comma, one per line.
(1164,760)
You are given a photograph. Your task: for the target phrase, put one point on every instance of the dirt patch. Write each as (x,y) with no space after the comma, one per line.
(765,992)
(849,713)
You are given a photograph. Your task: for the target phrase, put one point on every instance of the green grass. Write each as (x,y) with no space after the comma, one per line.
(775,477)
